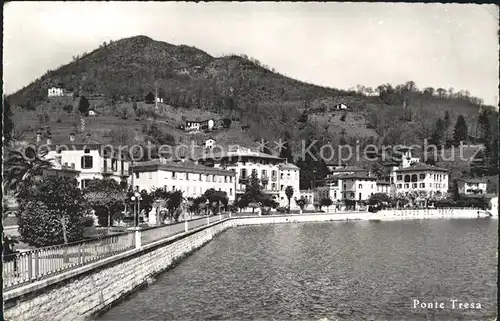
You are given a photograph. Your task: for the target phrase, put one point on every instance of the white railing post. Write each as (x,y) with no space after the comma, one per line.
(137,236)
(186,226)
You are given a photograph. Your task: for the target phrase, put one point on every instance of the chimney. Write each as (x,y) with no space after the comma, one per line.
(72,137)
(49,139)
(38,136)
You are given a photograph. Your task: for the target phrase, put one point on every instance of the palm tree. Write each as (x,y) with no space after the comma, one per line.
(24,168)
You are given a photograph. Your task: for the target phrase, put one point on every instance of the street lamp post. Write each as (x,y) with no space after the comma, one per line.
(137,199)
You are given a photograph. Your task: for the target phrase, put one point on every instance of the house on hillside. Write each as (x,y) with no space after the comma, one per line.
(209,143)
(159,100)
(196,125)
(92,112)
(58,92)
(340,107)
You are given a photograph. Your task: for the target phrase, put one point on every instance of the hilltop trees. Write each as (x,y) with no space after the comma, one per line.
(52,213)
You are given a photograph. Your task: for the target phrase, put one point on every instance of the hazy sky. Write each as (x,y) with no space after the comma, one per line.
(333,44)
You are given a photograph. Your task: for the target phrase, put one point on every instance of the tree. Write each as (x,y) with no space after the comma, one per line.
(216,199)
(378,198)
(226,122)
(441,92)
(301,203)
(52,213)
(24,168)
(173,204)
(289,194)
(105,194)
(438,134)
(484,128)
(455,194)
(8,124)
(150,98)
(325,202)
(134,106)
(253,191)
(83,105)
(460,132)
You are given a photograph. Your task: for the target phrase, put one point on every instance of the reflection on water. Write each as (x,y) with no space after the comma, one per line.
(335,270)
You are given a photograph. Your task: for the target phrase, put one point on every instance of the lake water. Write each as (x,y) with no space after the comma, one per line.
(336,270)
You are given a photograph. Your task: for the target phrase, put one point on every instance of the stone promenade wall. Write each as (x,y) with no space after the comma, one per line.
(78,294)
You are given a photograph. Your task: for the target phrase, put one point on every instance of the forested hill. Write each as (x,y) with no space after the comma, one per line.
(269,105)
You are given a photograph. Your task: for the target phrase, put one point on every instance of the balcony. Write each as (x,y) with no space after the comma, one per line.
(264,180)
(243,180)
(108,171)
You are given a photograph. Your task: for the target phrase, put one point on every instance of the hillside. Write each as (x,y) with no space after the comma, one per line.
(263,104)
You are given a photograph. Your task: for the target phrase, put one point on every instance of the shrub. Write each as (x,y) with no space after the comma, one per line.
(281,209)
(88,221)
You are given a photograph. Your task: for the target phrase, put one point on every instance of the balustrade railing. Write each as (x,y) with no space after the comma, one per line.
(33,265)
(37,264)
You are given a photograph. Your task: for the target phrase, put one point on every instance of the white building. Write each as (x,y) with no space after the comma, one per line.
(92,112)
(58,92)
(183,175)
(90,158)
(55,92)
(383,187)
(244,162)
(471,186)
(356,187)
(421,177)
(196,125)
(340,106)
(209,143)
(289,175)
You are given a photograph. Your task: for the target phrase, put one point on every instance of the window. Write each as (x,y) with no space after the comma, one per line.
(360,186)
(230,179)
(85,183)
(264,173)
(334,194)
(174,175)
(400,185)
(165,187)
(114,164)
(86,162)
(273,174)
(225,179)
(399,177)
(414,185)
(173,188)
(345,186)
(281,187)
(422,176)
(273,186)
(200,178)
(137,188)
(254,172)
(407,185)
(230,191)
(360,196)
(407,178)
(281,176)
(243,173)
(187,176)
(414,178)
(422,185)
(86,151)
(214,179)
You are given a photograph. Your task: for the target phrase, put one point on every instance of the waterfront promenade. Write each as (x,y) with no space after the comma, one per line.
(129,257)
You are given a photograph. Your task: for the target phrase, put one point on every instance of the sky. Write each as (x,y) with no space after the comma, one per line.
(337,45)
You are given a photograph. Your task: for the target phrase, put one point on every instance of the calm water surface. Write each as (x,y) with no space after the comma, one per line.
(335,270)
